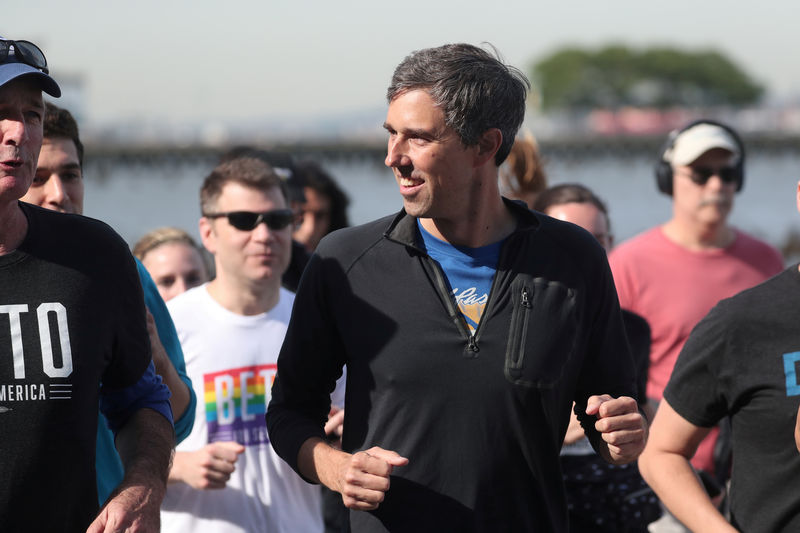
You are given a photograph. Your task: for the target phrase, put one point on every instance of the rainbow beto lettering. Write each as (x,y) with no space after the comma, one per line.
(236,401)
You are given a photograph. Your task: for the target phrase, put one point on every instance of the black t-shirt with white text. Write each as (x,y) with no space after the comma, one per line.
(71,317)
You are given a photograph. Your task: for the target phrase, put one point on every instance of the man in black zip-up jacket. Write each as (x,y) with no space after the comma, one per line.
(449,427)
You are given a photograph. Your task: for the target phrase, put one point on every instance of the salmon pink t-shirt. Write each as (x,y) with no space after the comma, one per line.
(674,288)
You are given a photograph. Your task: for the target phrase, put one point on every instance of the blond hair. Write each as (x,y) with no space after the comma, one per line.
(160,236)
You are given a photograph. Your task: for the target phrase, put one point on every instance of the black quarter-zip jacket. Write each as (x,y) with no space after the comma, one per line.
(480,417)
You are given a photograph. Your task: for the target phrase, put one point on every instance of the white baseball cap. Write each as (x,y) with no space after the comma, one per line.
(697,140)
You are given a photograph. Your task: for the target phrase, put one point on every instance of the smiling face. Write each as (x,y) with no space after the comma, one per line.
(247,257)
(58,183)
(21,118)
(432,167)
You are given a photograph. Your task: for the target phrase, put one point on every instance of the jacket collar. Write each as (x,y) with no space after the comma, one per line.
(403,227)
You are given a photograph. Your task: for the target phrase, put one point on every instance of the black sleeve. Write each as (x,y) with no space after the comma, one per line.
(608,366)
(297,264)
(696,387)
(309,364)
(637,331)
(130,352)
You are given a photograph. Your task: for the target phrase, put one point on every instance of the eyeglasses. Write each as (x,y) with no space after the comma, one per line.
(24,52)
(277,219)
(701,175)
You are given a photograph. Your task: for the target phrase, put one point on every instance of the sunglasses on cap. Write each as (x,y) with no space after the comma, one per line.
(24,52)
(701,175)
(276,219)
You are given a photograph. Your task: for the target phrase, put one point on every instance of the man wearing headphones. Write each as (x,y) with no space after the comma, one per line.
(675,273)
(740,362)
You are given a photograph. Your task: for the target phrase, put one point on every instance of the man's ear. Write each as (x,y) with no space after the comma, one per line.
(488,145)
(207,235)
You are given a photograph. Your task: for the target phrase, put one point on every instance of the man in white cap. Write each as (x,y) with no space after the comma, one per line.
(739,362)
(674,274)
(73,333)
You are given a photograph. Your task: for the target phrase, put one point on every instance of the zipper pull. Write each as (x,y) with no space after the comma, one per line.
(473,346)
(525,301)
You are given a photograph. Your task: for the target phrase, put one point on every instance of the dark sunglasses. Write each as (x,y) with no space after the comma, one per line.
(24,52)
(276,219)
(701,175)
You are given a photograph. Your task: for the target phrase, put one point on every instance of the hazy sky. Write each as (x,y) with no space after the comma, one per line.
(187,60)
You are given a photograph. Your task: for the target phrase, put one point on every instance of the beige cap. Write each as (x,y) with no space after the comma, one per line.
(697,140)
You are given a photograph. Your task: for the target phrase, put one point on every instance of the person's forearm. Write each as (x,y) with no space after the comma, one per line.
(320,462)
(180,396)
(207,468)
(671,477)
(176,469)
(362,478)
(145,446)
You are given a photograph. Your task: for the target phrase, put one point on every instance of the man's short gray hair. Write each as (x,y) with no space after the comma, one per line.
(473,87)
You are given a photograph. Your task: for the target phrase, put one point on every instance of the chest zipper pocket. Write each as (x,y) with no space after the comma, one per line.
(520,317)
(542,334)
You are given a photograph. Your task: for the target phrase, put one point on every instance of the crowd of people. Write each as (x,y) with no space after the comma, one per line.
(485,359)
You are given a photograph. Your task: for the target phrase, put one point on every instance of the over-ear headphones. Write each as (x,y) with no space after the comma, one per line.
(664,168)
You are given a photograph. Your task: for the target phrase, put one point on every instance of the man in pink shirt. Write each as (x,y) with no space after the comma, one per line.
(675,273)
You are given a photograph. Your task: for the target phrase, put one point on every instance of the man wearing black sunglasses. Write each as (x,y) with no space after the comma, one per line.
(674,274)
(72,323)
(740,362)
(231,330)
